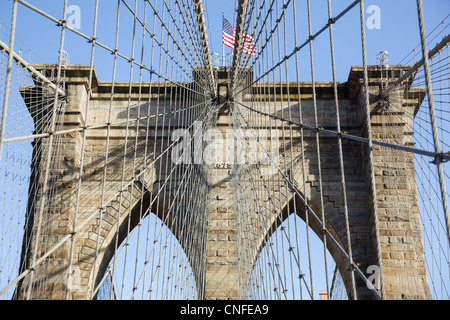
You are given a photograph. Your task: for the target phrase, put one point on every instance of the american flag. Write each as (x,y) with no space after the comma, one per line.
(229,33)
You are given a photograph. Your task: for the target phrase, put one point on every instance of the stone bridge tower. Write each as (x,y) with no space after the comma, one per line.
(395,237)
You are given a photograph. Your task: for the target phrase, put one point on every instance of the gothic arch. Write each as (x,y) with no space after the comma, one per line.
(144,205)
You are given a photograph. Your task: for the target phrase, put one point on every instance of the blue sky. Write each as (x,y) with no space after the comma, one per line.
(398,33)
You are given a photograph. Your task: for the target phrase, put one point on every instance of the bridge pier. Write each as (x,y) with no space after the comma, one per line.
(222,276)
(397,203)
(115,194)
(221,267)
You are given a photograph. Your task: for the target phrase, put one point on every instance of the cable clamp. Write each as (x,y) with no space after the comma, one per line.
(61,22)
(443,157)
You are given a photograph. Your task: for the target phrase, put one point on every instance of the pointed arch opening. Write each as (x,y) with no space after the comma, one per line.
(294,265)
(149,264)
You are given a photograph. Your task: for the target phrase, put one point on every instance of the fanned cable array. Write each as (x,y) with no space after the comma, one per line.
(316,169)
(119,214)
(431,199)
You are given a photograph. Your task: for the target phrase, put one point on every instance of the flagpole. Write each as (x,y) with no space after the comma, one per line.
(223,45)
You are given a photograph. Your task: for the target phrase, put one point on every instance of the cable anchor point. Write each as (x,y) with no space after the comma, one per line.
(442,156)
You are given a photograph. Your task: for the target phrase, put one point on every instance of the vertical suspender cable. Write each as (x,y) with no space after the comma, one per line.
(238,43)
(303,158)
(437,148)
(107,146)
(370,146)
(49,151)
(324,231)
(83,146)
(8,75)
(204,38)
(341,157)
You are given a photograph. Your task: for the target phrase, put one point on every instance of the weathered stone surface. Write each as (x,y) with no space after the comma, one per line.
(398,221)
